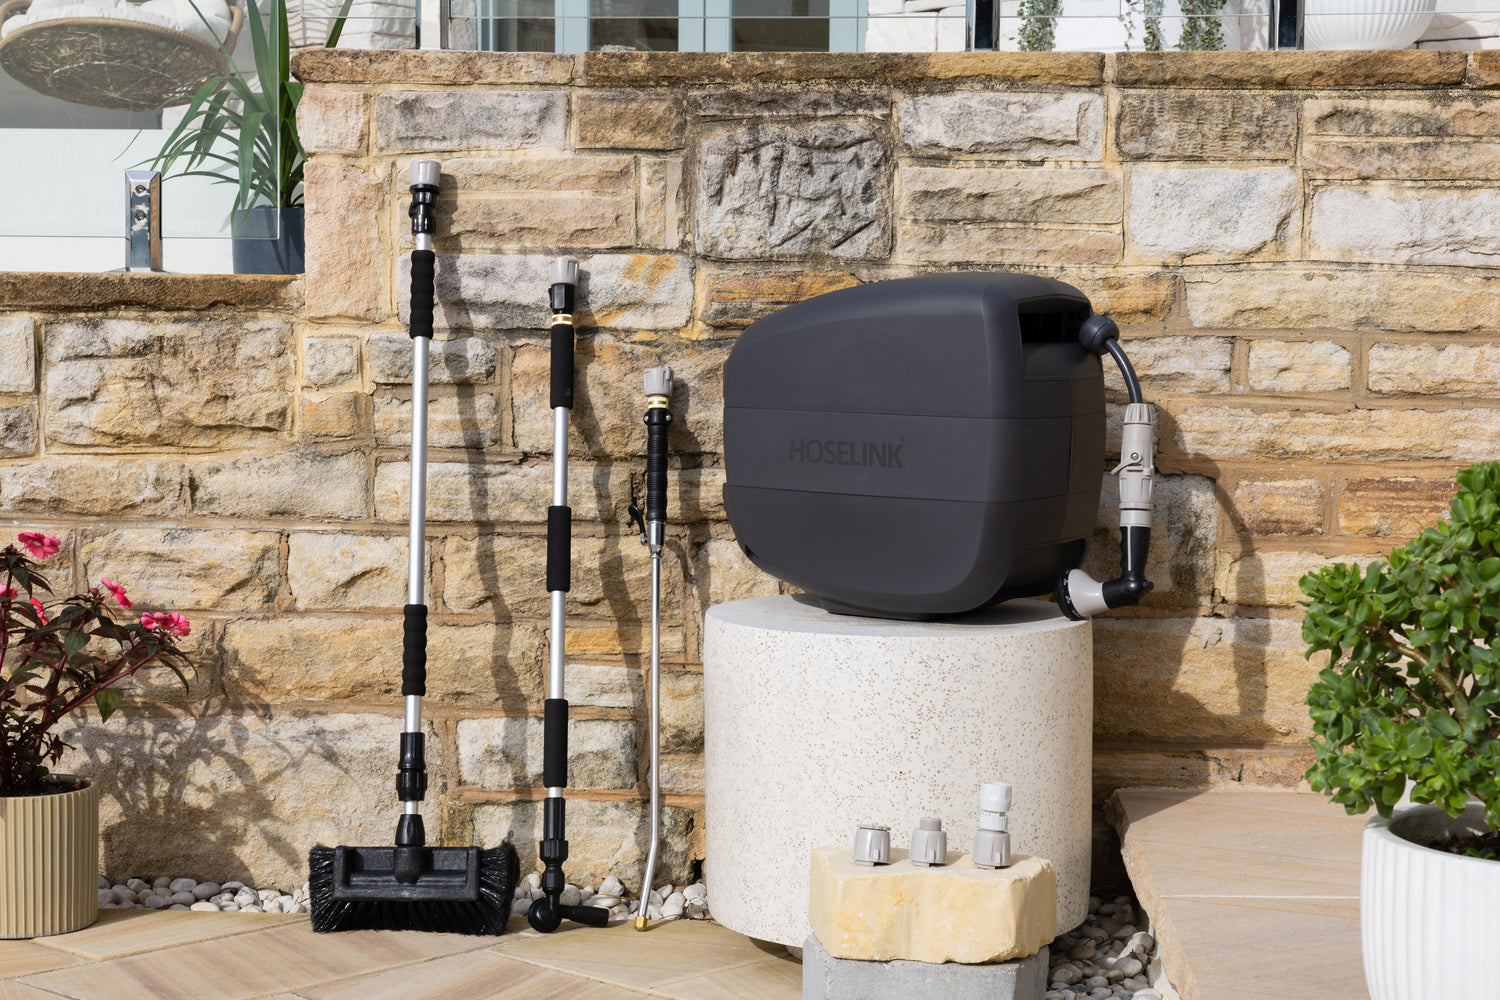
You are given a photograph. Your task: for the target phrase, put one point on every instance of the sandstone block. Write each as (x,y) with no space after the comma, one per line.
(732,300)
(345,262)
(1206,126)
(1399,508)
(300,484)
(1207,681)
(1129,765)
(1375,435)
(1003,124)
(250,794)
(1270,580)
(603,686)
(329,362)
(1450,370)
(321,659)
(660,213)
(681,713)
(1341,299)
(507,753)
(1408,160)
(1278,507)
(451,361)
(608,401)
(998,194)
(423,120)
(333,121)
(459,491)
(1175,364)
(18,431)
(1405,224)
(1364,116)
(467,420)
(344,570)
(781,192)
(1197,213)
(799,103)
(431,67)
(696,495)
(504,574)
(1295,366)
(628,120)
(1184,535)
(1262,70)
(722,573)
(186,569)
(17,354)
(655,69)
(338,417)
(95,486)
(681,775)
(129,384)
(630,291)
(604,838)
(954,913)
(940,244)
(573,201)
(1129,298)
(623,638)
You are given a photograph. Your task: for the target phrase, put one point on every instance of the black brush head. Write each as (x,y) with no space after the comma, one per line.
(460,891)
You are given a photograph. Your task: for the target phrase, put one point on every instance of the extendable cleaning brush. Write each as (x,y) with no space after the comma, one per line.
(410,886)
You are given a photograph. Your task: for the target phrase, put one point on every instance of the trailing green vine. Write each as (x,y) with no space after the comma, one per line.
(1202,26)
(1039,24)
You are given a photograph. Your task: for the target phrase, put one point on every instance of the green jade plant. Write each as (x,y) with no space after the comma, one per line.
(1411,694)
(260,127)
(57,659)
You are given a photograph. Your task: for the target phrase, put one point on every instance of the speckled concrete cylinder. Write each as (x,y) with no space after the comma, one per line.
(815,722)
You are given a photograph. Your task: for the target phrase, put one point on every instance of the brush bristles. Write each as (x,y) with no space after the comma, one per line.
(498,871)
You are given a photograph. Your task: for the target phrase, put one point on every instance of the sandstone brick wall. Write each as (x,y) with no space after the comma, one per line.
(1298,247)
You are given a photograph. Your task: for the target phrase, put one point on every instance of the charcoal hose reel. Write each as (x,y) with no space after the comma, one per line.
(926,447)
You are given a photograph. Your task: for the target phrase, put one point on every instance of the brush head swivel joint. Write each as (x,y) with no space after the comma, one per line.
(424,190)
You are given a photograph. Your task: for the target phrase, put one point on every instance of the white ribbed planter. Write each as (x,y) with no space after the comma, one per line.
(1366,24)
(1429,920)
(49,863)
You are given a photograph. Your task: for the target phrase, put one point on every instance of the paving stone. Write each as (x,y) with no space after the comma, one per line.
(1398,508)
(827,978)
(293,483)
(1296,366)
(1003,124)
(431,120)
(131,384)
(1206,126)
(1212,212)
(1405,224)
(508,753)
(96,486)
(779,192)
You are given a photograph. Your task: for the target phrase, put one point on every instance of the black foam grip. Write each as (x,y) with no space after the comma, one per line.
(559,548)
(658,422)
(414,649)
(423,264)
(555,743)
(562,366)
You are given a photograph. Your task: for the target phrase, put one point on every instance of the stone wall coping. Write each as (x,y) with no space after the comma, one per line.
(1261,70)
(68,290)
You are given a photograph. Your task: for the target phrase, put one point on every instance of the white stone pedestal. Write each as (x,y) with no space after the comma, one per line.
(815,722)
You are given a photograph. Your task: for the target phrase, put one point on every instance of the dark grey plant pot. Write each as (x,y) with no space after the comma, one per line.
(256,253)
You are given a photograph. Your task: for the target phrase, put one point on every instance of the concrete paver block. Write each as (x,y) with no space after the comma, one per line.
(827,978)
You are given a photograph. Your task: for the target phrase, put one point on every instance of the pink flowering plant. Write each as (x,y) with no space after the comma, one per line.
(57,657)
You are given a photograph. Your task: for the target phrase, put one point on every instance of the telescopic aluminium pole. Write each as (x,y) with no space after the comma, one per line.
(658,422)
(411,775)
(547,913)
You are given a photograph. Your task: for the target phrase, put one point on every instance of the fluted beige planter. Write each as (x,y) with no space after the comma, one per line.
(49,854)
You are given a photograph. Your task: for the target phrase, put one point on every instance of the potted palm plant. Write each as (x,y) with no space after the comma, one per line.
(250,130)
(1409,707)
(56,659)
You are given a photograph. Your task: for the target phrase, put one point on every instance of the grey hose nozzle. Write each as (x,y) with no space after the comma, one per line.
(564,271)
(425,172)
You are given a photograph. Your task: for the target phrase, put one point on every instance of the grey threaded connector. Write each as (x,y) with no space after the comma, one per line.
(929,844)
(564,271)
(872,844)
(992,841)
(426,172)
(659,381)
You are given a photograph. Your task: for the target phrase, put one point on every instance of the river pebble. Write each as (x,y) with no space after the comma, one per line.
(1105,958)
